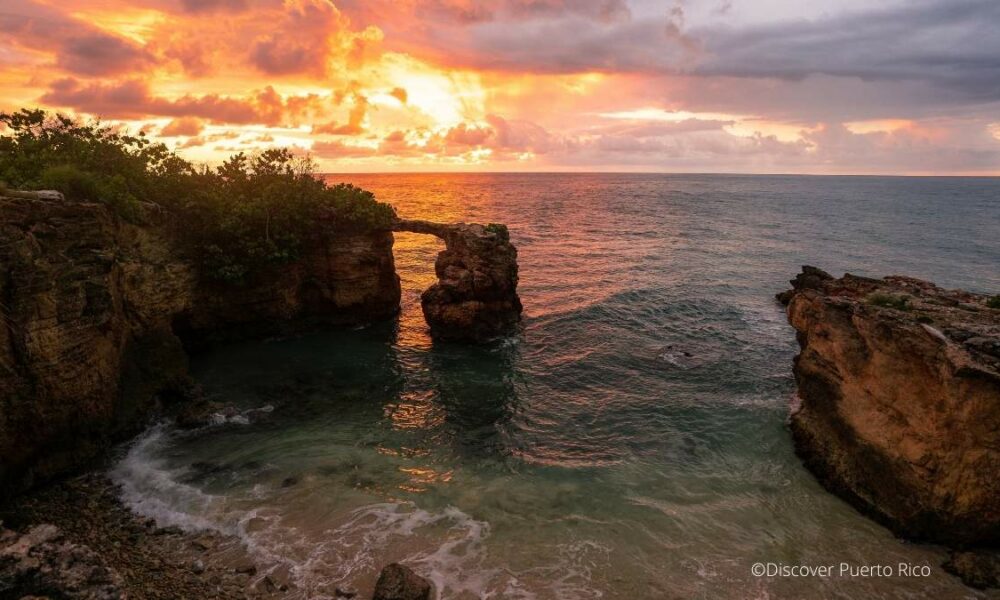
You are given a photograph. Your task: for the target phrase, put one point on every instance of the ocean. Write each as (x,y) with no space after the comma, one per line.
(629,443)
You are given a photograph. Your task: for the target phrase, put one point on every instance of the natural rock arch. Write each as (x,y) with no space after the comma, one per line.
(98,315)
(475,297)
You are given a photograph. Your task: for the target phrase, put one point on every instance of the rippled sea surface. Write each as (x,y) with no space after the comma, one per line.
(630,442)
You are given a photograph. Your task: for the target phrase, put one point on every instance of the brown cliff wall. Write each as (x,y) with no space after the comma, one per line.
(899,383)
(341,280)
(94,310)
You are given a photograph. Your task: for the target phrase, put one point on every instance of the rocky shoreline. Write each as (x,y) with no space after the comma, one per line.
(76,540)
(133,556)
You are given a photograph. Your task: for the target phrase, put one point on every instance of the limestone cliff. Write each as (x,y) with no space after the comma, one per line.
(899,382)
(95,315)
(475,297)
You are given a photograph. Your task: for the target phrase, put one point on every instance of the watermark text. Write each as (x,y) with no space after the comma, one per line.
(843,569)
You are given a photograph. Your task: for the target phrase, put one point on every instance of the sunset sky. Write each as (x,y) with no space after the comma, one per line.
(826,86)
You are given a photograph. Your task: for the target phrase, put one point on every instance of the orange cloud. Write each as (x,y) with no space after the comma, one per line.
(399,94)
(132,99)
(184,126)
(355,120)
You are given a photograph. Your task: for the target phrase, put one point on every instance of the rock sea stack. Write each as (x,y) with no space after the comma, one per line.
(899,382)
(475,298)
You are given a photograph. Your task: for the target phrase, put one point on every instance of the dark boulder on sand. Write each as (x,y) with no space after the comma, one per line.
(398,582)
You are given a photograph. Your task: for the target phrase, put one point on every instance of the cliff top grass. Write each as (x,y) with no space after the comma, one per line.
(251,212)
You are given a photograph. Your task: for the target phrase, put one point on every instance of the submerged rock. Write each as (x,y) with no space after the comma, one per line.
(475,297)
(41,563)
(399,582)
(202,413)
(899,382)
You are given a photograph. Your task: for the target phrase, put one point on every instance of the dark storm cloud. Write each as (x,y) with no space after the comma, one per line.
(952,43)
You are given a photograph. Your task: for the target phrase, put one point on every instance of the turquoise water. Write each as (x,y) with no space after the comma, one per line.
(630,442)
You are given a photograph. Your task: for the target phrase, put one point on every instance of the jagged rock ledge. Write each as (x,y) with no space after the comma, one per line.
(899,382)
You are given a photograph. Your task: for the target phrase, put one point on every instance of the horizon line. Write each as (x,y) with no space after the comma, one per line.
(721,173)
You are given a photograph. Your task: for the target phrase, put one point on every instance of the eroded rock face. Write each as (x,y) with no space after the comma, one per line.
(41,562)
(69,352)
(899,382)
(475,298)
(96,313)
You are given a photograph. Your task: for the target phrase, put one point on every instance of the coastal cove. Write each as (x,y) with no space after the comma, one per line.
(629,440)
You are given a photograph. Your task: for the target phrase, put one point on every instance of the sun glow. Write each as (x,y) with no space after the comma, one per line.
(448,98)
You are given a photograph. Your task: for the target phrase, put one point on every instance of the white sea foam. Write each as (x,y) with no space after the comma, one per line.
(447,546)
(241,418)
(150,489)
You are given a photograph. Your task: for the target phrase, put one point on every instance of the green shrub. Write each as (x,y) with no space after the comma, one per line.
(72,182)
(994,302)
(252,212)
(500,230)
(898,302)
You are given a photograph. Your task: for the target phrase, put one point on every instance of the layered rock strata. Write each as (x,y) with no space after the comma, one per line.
(899,382)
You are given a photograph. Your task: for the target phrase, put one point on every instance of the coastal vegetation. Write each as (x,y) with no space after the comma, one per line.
(249,213)
(500,230)
(898,302)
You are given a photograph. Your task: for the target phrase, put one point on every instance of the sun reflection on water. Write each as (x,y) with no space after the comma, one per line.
(415,410)
(414,255)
